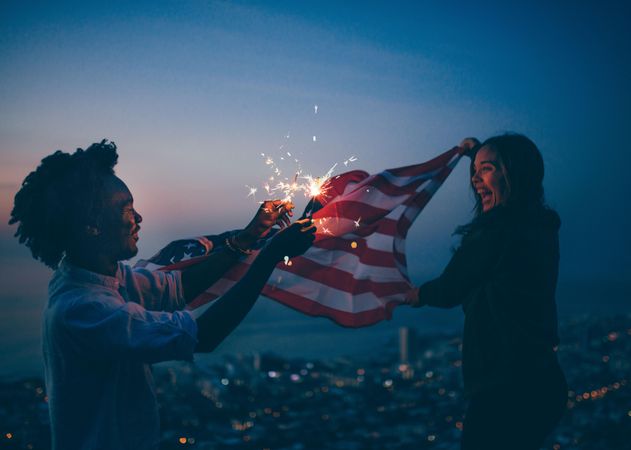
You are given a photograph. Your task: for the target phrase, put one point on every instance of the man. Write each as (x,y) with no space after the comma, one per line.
(106,323)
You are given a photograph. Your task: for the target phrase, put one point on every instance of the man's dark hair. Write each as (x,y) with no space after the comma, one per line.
(60,198)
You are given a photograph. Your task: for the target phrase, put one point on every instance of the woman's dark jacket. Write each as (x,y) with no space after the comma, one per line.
(504,275)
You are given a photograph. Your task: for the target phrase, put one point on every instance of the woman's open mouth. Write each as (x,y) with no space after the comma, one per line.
(486,196)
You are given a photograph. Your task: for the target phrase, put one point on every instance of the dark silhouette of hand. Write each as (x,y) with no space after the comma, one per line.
(292,241)
(270,213)
(470,145)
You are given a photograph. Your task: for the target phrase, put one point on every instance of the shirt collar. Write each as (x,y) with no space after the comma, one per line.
(87,276)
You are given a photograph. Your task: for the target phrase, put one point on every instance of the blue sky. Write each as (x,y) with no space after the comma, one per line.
(192,92)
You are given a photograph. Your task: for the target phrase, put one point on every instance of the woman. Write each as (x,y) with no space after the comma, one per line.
(504,276)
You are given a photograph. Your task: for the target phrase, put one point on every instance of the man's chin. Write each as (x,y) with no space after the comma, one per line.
(128,253)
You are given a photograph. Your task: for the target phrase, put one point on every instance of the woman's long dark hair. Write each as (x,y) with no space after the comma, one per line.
(522,165)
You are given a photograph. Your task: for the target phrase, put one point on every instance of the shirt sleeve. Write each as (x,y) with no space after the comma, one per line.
(155,290)
(112,329)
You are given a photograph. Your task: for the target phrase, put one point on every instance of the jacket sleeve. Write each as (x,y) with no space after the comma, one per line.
(466,271)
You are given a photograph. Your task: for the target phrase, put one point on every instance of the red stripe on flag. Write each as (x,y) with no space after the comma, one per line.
(429,166)
(202,299)
(312,308)
(342,280)
(368,256)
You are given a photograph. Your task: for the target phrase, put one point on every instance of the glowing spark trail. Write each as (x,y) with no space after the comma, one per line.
(351,159)
(311,186)
(252,190)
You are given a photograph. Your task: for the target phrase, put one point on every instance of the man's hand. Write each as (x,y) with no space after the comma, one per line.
(292,241)
(270,213)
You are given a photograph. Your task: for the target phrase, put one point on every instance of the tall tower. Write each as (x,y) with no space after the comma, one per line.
(404,345)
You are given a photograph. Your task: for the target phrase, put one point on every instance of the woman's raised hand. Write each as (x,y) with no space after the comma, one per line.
(468,144)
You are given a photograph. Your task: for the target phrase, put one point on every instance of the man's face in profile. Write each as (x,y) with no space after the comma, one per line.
(121,222)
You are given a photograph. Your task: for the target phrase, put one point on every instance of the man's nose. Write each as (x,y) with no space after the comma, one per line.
(138,217)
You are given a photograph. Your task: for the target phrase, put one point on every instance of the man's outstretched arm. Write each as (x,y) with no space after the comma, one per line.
(228,311)
(199,277)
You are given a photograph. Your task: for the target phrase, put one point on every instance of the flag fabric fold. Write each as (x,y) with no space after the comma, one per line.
(356,271)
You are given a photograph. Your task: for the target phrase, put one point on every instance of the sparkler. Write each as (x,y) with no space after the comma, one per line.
(313,187)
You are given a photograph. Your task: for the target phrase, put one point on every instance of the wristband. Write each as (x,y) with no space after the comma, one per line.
(234,248)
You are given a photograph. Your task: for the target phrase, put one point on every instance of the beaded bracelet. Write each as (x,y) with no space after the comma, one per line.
(234,248)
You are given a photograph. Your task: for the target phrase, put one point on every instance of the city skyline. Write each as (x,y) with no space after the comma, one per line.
(193,92)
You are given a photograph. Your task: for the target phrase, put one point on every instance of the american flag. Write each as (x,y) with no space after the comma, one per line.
(356,271)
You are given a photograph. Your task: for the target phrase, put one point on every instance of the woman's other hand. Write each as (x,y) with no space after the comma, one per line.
(412,297)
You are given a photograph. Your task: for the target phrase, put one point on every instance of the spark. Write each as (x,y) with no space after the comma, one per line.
(315,185)
(286,258)
(315,109)
(356,222)
(353,244)
(288,154)
(269,161)
(315,138)
(252,190)
(325,230)
(351,159)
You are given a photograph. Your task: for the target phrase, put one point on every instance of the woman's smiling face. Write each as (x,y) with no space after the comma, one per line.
(489,180)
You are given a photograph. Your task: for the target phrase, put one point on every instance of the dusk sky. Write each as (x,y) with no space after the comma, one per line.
(193,91)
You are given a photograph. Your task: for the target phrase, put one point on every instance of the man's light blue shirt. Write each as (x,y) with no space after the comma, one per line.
(100,336)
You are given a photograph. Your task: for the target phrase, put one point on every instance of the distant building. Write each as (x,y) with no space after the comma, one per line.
(407,345)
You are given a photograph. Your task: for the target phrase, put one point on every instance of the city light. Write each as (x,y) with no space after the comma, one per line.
(272,400)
